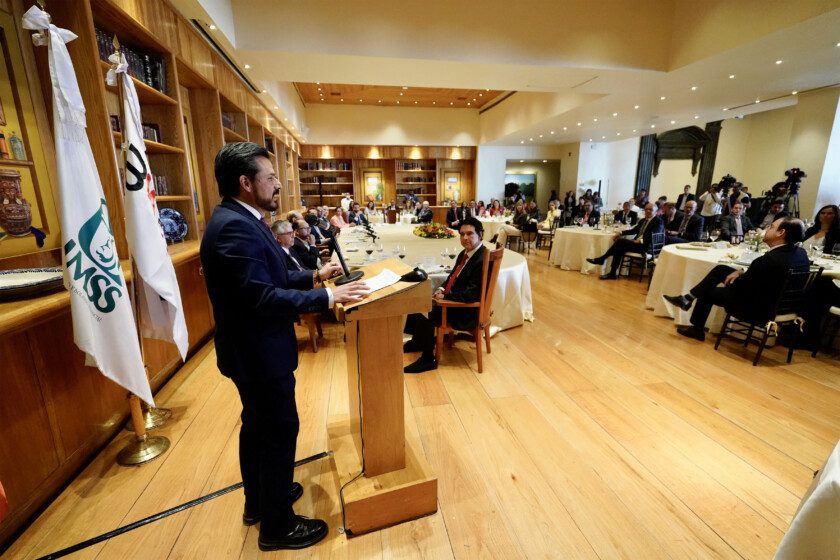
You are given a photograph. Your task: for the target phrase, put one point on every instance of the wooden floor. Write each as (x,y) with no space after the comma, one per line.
(594,432)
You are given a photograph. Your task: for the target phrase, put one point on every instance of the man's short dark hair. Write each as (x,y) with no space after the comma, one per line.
(794,232)
(311,219)
(235,160)
(474,222)
(778,201)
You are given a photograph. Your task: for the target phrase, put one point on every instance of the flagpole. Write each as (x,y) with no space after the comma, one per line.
(145,447)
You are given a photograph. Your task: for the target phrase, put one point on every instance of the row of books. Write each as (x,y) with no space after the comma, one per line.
(325,166)
(146,67)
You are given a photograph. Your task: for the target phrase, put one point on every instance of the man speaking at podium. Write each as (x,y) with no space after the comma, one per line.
(463,284)
(255,301)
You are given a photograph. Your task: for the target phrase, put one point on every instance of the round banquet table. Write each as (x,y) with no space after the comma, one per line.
(492,225)
(512,304)
(375,218)
(573,245)
(408,219)
(680,267)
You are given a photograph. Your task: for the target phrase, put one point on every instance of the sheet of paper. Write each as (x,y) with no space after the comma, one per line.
(382,280)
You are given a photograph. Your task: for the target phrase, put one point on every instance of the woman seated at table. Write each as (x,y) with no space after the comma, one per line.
(520,218)
(338,220)
(551,215)
(480,209)
(825,232)
(370,208)
(409,206)
(495,208)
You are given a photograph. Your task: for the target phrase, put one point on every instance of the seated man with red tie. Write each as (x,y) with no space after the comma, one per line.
(640,242)
(463,284)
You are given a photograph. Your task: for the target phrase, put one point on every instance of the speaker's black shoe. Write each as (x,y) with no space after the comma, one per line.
(597,260)
(422,364)
(409,346)
(696,333)
(305,533)
(251,517)
(608,276)
(679,301)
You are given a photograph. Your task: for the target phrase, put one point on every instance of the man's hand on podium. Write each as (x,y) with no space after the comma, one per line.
(329,270)
(350,293)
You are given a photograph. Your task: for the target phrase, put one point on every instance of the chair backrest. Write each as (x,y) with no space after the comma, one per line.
(391,216)
(657,240)
(795,291)
(558,222)
(490,272)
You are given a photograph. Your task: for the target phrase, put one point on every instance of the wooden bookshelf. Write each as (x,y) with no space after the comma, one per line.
(418,176)
(335,176)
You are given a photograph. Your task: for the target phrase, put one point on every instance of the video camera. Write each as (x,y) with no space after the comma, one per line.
(794,177)
(725,184)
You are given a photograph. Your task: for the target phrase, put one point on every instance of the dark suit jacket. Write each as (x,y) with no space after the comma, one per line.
(693,228)
(674,224)
(255,296)
(307,255)
(358,219)
(452,215)
(424,216)
(831,238)
(594,216)
(620,216)
(782,214)
(467,289)
(757,290)
(656,226)
(680,198)
(728,229)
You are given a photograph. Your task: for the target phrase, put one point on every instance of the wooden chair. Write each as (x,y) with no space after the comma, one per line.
(490,272)
(313,324)
(831,326)
(543,234)
(786,311)
(529,235)
(643,260)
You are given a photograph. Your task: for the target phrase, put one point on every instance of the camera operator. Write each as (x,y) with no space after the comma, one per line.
(737,195)
(711,207)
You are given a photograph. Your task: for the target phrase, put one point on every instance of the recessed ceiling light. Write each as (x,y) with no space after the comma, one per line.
(400,93)
(360,100)
(213,28)
(434,102)
(635,106)
(726,108)
(481,95)
(778,62)
(247,67)
(379,101)
(565,128)
(653,126)
(286,119)
(545,161)
(552,132)
(398,102)
(416,103)
(578,124)
(521,161)
(276,107)
(618,134)
(731,76)
(264,91)
(342,99)
(594,120)
(837,45)
(488,89)
(696,116)
(322,99)
(541,135)
(662,98)
(794,92)
(634,130)
(673,122)
(468,103)
(452,103)
(474,99)
(603,137)
(693,88)
(590,139)
(405,87)
(615,114)
(317,83)
(319,89)
(522,141)
(758,100)
(530,139)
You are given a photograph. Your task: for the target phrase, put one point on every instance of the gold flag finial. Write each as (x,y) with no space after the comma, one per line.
(116,43)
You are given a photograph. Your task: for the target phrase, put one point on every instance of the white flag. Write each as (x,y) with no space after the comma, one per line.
(161,311)
(103,326)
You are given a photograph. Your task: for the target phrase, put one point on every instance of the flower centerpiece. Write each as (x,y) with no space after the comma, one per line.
(434,231)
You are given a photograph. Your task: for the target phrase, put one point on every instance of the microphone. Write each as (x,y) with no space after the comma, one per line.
(348,276)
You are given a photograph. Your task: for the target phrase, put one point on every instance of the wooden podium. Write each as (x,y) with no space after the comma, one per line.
(398,484)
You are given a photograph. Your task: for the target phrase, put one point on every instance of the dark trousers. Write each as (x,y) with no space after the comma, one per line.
(422,330)
(824,294)
(267,442)
(619,248)
(709,293)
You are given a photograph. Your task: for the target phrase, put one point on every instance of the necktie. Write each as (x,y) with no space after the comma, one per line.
(683,225)
(462,260)
(294,261)
(739,230)
(264,222)
(642,230)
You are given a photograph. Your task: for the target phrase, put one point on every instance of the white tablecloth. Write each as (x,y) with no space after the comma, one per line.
(680,267)
(408,218)
(573,245)
(375,218)
(814,533)
(512,304)
(492,225)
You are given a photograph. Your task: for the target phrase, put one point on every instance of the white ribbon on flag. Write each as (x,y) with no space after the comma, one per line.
(161,311)
(103,323)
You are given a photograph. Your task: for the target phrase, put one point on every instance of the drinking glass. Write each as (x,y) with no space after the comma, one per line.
(452,254)
(445,253)
(714,235)
(379,248)
(369,251)
(704,236)
(401,254)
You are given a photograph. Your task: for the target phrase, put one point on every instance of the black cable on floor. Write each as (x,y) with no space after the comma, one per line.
(165,513)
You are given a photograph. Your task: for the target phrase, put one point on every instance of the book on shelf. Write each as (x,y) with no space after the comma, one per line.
(146,67)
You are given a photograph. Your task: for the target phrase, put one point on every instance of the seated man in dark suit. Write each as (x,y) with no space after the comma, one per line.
(671,217)
(690,227)
(626,216)
(357,216)
(424,213)
(463,284)
(452,218)
(749,294)
(776,211)
(304,249)
(587,214)
(640,243)
(735,224)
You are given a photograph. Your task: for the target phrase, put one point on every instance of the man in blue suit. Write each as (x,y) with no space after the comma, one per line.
(255,299)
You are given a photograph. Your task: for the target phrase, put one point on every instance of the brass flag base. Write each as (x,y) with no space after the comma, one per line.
(152,418)
(142,450)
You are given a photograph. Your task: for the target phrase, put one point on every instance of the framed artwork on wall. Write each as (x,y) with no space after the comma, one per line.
(452,185)
(525,182)
(373,185)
